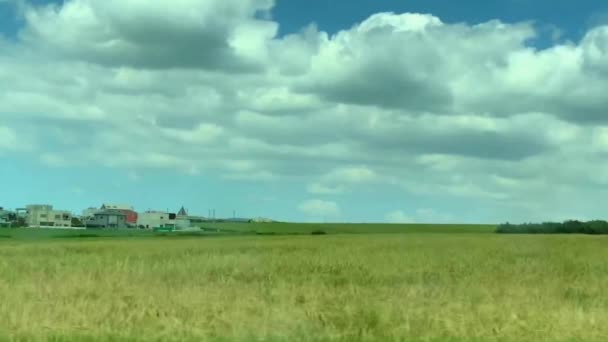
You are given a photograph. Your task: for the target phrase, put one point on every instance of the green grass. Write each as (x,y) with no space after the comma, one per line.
(213,229)
(374,287)
(34,234)
(346,228)
(44,234)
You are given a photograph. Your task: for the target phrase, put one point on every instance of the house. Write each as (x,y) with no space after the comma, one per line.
(21,213)
(90,213)
(261,220)
(162,219)
(110,218)
(127,209)
(116,206)
(45,216)
(156,219)
(183,220)
(6,217)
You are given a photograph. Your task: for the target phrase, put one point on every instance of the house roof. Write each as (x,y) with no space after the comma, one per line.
(182,212)
(112,212)
(116,206)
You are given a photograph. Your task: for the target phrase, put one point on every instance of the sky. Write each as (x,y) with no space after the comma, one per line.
(313,111)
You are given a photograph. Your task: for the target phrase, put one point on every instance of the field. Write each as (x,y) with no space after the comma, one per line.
(28,234)
(417,286)
(214,229)
(333,228)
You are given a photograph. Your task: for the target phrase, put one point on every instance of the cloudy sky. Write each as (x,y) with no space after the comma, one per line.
(316,110)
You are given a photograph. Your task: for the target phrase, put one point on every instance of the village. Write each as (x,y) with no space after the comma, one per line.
(107,216)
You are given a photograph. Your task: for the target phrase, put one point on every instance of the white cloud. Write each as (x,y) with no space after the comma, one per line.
(320,209)
(356,174)
(342,179)
(185,34)
(421,215)
(404,101)
(78,191)
(321,189)
(595,49)
(134,176)
(8,139)
(53,160)
(415,62)
(251,176)
(202,134)
(429,215)
(399,216)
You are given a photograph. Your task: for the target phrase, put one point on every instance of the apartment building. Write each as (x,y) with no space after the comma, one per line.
(110,218)
(45,216)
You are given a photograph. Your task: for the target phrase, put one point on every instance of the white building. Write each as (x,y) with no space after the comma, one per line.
(182,223)
(111,218)
(161,219)
(45,216)
(5,217)
(156,219)
(183,220)
(261,220)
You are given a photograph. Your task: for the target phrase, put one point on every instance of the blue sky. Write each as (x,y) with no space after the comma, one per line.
(431,114)
(572,17)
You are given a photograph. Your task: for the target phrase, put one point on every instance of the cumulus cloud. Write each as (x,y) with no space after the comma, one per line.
(181,34)
(595,47)
(320,209)
(398,216)
(399,100)
(341,179)
(421,215)
(8,139)
(414,62)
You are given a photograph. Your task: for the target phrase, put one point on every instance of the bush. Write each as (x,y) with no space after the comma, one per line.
(318,232)
(19,222)
(568,227)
